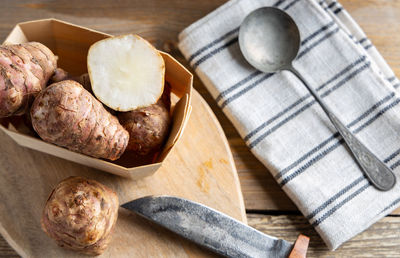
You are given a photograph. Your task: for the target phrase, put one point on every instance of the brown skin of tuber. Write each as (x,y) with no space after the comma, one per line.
(69,116)
(24,72)
(148,127)
(84,80)
(80,214)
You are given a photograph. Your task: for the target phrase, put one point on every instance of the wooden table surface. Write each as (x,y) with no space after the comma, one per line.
(268,208)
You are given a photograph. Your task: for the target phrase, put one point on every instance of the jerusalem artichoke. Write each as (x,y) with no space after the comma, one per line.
(24,72)
(148,127)
(69,116)
(126,72)
(80,214)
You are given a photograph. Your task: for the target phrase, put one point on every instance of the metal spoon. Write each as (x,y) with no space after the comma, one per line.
(269,40)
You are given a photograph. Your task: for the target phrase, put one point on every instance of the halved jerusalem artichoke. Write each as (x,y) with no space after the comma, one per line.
(126,72)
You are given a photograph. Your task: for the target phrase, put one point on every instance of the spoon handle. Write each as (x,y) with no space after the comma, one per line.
(376,171)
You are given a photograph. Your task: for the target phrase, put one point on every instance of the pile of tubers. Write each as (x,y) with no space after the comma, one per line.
(121,105)
(134,111)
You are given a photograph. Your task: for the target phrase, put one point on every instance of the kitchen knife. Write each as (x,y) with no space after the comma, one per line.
(213,229)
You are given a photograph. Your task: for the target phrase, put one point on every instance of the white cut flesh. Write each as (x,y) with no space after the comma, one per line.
(126,72)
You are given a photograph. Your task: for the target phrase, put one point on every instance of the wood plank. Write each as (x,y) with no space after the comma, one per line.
(381,240)
(6,251)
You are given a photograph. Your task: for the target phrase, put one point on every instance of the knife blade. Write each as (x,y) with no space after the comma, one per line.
(213,229)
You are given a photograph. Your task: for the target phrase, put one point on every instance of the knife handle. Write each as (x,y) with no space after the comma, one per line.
(300,247)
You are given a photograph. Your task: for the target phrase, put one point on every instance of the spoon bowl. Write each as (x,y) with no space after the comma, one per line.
(269,39)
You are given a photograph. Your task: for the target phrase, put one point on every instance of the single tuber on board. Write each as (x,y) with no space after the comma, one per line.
(80,214)
(24,72)
(69,116)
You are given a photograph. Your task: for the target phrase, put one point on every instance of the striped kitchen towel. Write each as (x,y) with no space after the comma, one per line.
(284,126)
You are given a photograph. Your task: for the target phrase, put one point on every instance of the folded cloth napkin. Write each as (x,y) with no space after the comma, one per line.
(284,126)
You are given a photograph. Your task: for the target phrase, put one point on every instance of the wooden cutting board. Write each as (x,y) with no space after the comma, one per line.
(200,168)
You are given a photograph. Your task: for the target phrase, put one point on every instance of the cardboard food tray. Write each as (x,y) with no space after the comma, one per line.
(71,44)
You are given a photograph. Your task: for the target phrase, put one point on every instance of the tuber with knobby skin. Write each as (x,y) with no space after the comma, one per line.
(24,72)
(148,127)
(69,116)
(80,214)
